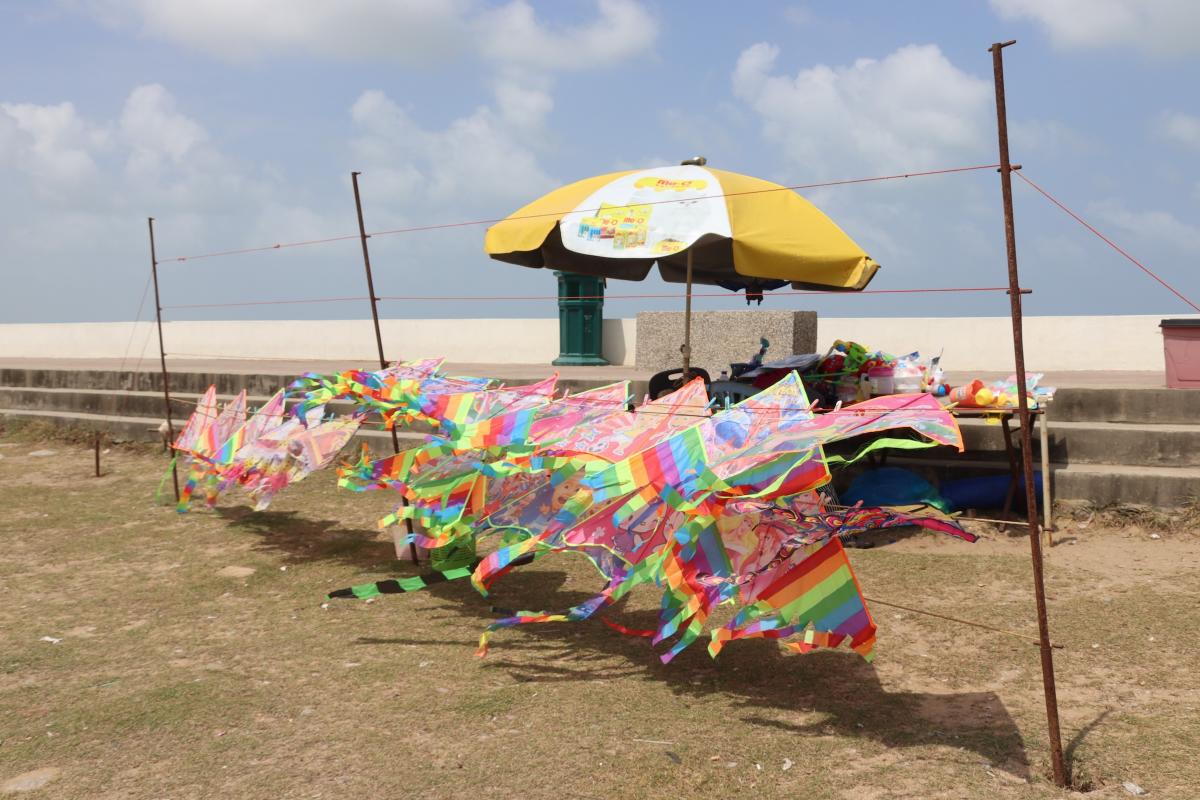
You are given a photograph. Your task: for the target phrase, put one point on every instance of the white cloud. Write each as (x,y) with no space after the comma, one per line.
(910,110)
(155,131)
(1162,228)
(620,29)
(522,105)
(101,173)
(52,143)
(800,16)
(411,31)
(1179,127)
(1156,27)
(475,162)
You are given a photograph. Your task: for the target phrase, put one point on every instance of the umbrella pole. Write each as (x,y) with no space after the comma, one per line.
(687,321)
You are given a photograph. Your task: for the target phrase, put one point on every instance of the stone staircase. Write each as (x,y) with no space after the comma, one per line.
(1128,445)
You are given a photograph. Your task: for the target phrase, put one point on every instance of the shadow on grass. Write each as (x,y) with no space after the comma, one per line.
(301,539)
(840,687)
(1081,782)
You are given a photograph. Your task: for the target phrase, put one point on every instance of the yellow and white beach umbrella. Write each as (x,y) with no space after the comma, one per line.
(699,225)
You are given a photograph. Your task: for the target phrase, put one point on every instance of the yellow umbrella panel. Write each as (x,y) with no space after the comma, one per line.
(735,228)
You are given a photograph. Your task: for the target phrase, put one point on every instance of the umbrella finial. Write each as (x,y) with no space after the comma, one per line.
(694,161)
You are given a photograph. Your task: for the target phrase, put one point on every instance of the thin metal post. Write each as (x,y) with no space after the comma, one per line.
(1047,501)
(162,355)
(97,443)
(362,235)
(1035,543)
(687,321)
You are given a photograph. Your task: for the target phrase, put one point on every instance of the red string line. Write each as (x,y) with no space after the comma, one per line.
(270,302)
(721,195)
(495,220)
(726,295)
(260,249)
(707,411)
(136,320)
(269,358)
(1107,241)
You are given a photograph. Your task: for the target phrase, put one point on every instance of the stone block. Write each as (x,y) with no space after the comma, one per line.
(720,338)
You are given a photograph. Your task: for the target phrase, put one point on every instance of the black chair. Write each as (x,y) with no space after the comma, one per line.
(669,380)
(730,392)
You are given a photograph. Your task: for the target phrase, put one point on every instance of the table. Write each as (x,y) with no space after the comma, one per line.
(1037,416)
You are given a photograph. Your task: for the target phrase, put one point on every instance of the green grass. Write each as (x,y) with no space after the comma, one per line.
(172,680)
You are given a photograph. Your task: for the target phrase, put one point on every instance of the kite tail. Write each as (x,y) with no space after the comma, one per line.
(401,585)
(163,480)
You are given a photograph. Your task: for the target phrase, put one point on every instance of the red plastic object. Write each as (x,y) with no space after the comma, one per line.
(1181,348)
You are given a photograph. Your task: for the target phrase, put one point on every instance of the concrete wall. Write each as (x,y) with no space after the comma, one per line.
(1125,342)
(495,341)
(720,338)
(969,343)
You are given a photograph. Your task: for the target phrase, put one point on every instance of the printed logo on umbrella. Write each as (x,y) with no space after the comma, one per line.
(648,214)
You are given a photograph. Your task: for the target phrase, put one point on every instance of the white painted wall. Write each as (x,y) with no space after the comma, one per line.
(969,343)
(487,341)
(1125,342)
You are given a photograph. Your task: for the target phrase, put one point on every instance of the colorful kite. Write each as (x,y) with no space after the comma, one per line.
(709,508)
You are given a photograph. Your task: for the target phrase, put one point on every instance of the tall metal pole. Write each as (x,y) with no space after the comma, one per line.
(162,354)
(362,235)
(1035,543)
(687,321)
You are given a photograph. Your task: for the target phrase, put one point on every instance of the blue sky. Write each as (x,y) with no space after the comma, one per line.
(237,123)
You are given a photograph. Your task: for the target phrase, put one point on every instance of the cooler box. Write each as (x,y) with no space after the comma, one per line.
(1181,348)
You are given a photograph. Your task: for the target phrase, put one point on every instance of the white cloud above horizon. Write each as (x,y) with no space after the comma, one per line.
(1180,128)
(1149,226)
(196,136)
(909,110)
(415,32)
(475,162)
(1153,27)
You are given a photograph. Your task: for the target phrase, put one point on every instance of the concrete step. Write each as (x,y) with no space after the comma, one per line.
(146,429)
(1137,405)
(1070,442)
(132,404)
(194,382)
(1098,483)
(1133,444)
(1103,484)
(1169,487)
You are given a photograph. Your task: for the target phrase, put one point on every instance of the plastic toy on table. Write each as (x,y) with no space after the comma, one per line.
(1000,394)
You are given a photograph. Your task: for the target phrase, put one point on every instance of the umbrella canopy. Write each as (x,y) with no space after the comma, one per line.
(739,232)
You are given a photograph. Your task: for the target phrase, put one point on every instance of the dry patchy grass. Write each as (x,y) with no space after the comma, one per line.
(174,679)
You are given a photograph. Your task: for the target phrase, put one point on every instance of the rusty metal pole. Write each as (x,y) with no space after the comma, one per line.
(162,355)
(97,444)
(687,322)
(1035,543)
(362,235)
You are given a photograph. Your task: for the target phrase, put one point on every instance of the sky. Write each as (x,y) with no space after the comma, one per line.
(236,123)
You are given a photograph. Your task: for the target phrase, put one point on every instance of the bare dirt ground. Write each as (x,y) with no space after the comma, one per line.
(146,654)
